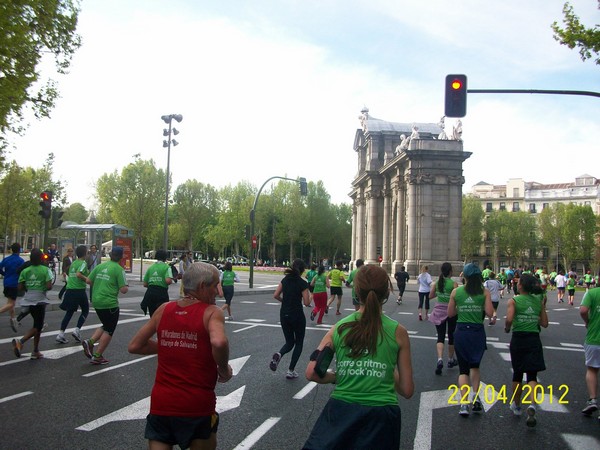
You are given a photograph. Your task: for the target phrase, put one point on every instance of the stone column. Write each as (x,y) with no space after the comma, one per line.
(400,191)
(353,242)
(372,225)
(412,225)
(386,244)
(359,249)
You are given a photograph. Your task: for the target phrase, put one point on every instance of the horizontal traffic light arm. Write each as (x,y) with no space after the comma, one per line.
(532,91)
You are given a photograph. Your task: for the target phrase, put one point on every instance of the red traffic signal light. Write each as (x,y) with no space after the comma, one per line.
(456,96)
(46,204)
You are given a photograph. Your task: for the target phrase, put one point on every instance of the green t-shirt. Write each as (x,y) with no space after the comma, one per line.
(73,281)
(310,275)
(587,278)
(336,277)
(485,274)
(35,278)
(350,279)
(368,380)
(527,313)
(107,278)
(571,283)
(228,278)
(444,297)
(553,275)
(470,308)
(591,300)
(157,274)
(320,283)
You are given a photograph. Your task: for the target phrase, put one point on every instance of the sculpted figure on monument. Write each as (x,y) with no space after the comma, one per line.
(442,124)
(415,132)
(457,131)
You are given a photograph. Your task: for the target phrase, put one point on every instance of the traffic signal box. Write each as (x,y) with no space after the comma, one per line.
(303,187)
(46,204)
(57,217)
(456,96)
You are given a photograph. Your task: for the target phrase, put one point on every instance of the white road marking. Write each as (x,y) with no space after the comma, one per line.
(48,354)
(273,303)
(13,397)
(139,410)
(579,324)
(553,323)
(305,391)
(505,356)
(256,320)
(492,339)
(406,313)
(118,366)
(249,327)
(549,347)
(571,345)
(248,302)
(578,441)
(500,345)
(255,436)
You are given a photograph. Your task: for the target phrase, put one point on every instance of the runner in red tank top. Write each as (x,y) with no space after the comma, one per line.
(193,354)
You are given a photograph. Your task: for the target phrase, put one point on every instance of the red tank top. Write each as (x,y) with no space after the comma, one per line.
(187,373)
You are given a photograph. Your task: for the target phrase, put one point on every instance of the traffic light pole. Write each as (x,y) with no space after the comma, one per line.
(252,221)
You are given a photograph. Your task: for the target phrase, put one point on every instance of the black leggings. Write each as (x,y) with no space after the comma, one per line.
(424,296)
(441,330)
(294,328)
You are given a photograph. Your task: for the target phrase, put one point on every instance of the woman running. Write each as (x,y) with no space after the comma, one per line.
(439,316)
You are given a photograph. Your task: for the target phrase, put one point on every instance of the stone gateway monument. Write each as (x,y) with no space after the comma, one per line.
(407,194)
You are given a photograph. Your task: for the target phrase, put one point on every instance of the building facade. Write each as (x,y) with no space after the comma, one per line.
(533,197)
(407,194)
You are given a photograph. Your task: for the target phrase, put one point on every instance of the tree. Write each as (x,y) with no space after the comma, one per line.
(30,31)
(193,210)
(472,226)
(134,198)
(571,229)
(575,34)
(75,212)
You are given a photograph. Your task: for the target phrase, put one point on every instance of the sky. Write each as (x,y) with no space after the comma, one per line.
(275,87)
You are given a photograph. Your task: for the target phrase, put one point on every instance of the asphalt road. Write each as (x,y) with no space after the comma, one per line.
(64,402)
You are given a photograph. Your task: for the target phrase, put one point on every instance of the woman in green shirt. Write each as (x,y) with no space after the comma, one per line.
(373,365)
(35,279)
(471,303)
(525,314)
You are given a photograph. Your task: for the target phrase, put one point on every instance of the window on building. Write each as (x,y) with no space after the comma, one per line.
(586,203)
(502,206)
(532,208)
(515,206)
(488,207)
(545,205)
(515,192)
(488,251)
(545,252)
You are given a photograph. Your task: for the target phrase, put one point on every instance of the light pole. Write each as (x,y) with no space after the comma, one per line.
(168,119)
(303,192)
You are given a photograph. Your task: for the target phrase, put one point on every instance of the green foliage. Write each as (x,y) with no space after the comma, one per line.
(576,35)
(32,31)
(75,212)
(472,226)
(134,198)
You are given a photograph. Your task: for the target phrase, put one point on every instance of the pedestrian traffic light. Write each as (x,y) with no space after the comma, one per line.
(46,204)
(456,96)
(303,187)
(57,218)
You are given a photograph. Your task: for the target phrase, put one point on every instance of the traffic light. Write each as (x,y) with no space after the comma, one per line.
(57,218)
(303,187)
(247,232)
(456,96)
(46,204)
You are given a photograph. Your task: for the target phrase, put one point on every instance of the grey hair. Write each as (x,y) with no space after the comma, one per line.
(198,273)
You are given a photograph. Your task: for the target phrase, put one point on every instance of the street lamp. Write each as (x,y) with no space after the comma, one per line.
(303,192)
(168,119)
